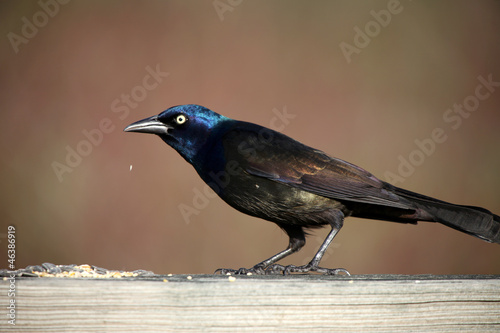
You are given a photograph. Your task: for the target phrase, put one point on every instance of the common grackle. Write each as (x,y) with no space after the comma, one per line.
(267,174)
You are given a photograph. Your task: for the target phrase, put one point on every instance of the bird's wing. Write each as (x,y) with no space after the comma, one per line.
(275,156)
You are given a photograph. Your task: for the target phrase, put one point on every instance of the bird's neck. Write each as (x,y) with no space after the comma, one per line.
(210,159)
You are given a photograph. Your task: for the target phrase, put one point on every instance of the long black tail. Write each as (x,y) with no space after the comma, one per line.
(474,221)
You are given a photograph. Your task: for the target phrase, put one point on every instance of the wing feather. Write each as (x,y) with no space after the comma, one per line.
(280,158)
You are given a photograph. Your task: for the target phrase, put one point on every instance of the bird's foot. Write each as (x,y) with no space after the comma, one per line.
(257,270)
(285,270)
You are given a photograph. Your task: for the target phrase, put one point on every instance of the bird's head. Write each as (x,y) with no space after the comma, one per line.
(184,127)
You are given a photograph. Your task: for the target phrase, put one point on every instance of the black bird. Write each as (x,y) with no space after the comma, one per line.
(266,174)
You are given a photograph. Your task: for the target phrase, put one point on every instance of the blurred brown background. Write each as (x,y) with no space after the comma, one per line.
(242,59)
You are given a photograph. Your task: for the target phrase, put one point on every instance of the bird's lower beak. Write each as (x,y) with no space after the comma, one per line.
(149,125)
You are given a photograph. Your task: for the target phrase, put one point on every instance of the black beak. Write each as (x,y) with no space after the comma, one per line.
(148,125)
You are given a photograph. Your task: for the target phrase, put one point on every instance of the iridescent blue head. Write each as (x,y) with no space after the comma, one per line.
(184,127)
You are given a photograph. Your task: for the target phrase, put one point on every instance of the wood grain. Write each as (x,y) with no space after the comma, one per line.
(293,303)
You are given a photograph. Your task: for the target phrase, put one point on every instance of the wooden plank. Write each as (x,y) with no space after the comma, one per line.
(266,303)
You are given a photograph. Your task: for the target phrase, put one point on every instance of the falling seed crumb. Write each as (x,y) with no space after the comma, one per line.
(351,281)
(165,280)
(231,279)
(249,273)
(169,274)
(130,167)
(189,277)
(228,273)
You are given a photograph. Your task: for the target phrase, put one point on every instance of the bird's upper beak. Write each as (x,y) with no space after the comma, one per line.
(149,125)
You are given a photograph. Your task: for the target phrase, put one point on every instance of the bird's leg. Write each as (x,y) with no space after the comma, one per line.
(297,241)
(313,265)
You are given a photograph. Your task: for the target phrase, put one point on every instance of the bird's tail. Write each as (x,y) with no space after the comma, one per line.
(474,221)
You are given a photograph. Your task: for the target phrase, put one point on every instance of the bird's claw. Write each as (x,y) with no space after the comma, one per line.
(276,269)
(257,270)
(280,269)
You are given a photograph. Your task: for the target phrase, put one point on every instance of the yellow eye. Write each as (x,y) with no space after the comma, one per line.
(180,119)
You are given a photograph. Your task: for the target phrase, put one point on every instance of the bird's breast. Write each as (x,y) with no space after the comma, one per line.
(271,200)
